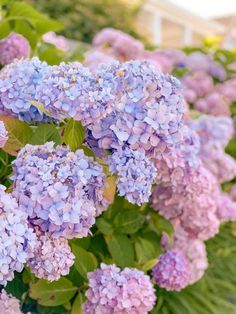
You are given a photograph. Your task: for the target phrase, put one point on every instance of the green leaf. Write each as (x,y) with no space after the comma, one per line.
(25,12)
(19,134)
(87,151)
(40,107)
(121,249)
(149,265)
(4,29)
(161,224)
(46,133)
(74,134)
(77,305)
(50,54)
(231,148)
(128,221)
(104,226)
(84,261)
(147,247)
(52,293)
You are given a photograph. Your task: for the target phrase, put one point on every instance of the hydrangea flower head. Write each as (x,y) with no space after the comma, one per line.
(171,272)
(18,83)
(118,44)
(3,134)
(146,107)
(51,257)
(194,251)
(226,209)
(17,239)
(15,46)
(69,90)
(61,191)
(9,304)
(114,291)
(136,174)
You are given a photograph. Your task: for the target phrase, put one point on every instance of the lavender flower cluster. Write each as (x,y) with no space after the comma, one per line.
(114,291)
(214,133)
(17,238)
(18,83)
(136,174)
(171,271)
(61,191)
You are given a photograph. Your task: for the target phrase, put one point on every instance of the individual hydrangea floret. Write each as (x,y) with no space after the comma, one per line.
(146,107)
(136,174)
(51,257)
(171,272)
(3,134)
(15,46)
(69,90)
(60,190)
(16,238)
(18,83)
(9,304)
(114,291)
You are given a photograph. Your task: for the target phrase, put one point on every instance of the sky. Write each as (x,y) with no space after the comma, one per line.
(208,8)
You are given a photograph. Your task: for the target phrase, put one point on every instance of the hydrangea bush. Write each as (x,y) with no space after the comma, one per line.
(114,183)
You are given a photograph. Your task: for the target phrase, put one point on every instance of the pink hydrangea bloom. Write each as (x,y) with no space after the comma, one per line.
(51,257)
(195,253)
(60,42)
(118,44)
(9,304)
(123,292)
(15,46)
(226,209)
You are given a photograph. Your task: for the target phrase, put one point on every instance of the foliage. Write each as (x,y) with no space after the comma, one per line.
(82,19)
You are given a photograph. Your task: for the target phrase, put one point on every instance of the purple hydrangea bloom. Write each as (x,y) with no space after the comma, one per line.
(114,291)
(146,107)
(136,174)
(9,304)
(51,257)
(171,272)
(61,191)
(16,238)
(3,134)
(69,90)
(15,46)
(18,83)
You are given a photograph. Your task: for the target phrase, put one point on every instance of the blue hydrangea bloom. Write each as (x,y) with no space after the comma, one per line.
(18,84)
(136,174)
